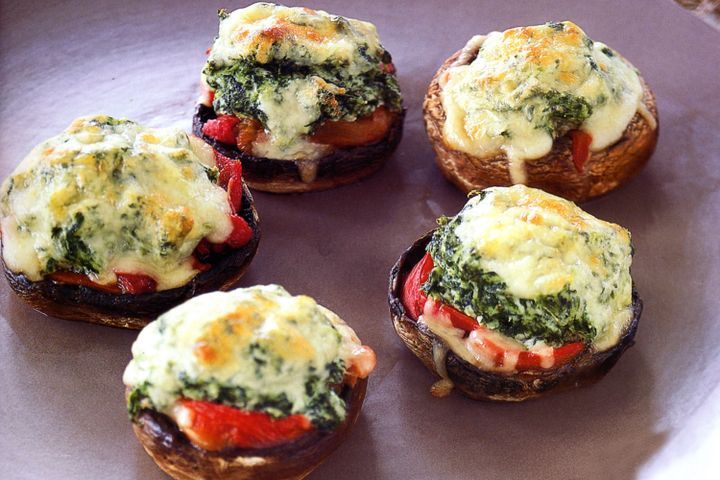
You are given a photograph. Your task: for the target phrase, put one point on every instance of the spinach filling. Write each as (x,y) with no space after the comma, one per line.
(238,86)
(562,112)
(458,279)
(324,407)
(73,251)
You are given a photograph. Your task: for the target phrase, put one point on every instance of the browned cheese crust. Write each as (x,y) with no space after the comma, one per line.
(342,166)
(588,367)
(179,458)
(77,302)
(555,173)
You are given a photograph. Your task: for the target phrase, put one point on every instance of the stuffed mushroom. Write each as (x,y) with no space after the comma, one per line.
(520,294)
(304,99)
(113,223)
(251,383)
(545,106)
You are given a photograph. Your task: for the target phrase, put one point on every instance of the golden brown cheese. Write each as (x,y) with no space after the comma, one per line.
(264,31)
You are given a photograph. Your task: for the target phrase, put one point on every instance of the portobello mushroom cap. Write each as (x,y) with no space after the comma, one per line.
(555,172)
(586,368)
(178,457)
(78,302)
(342,166)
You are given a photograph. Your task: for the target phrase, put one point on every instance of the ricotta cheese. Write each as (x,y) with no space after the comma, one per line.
(502,100)
(109,195)
(258,340)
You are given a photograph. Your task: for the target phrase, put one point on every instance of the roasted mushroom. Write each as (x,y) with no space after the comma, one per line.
(252,383)
(544,106)
(304,99)
(522,293)
(113,223)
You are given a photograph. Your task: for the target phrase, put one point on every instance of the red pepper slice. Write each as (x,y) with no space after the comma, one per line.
(221,161)
(528,359)
(228,171)
(214,427)
(580,148)
(413,298)
(223,128)
(135,283)
(248,131)
(362,131)
(235,192)
(73,278)
(241,233)
(567,352)
(230,178)
(457,318)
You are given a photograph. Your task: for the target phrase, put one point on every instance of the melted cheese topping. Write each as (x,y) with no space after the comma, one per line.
(539,243)
(210,339)
(264,32)
(127,198)
(492,104)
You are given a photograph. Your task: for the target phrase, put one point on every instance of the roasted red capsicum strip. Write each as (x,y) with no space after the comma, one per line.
(248,130)
(362,131)
(127,283)
(388,68)
(136,283)
(580,148)
(73,278)
(414,299)
(230,178)
(214,427)
(223,128)
(231,130)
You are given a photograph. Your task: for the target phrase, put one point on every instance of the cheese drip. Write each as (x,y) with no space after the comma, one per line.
(500,102)
(107,196)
